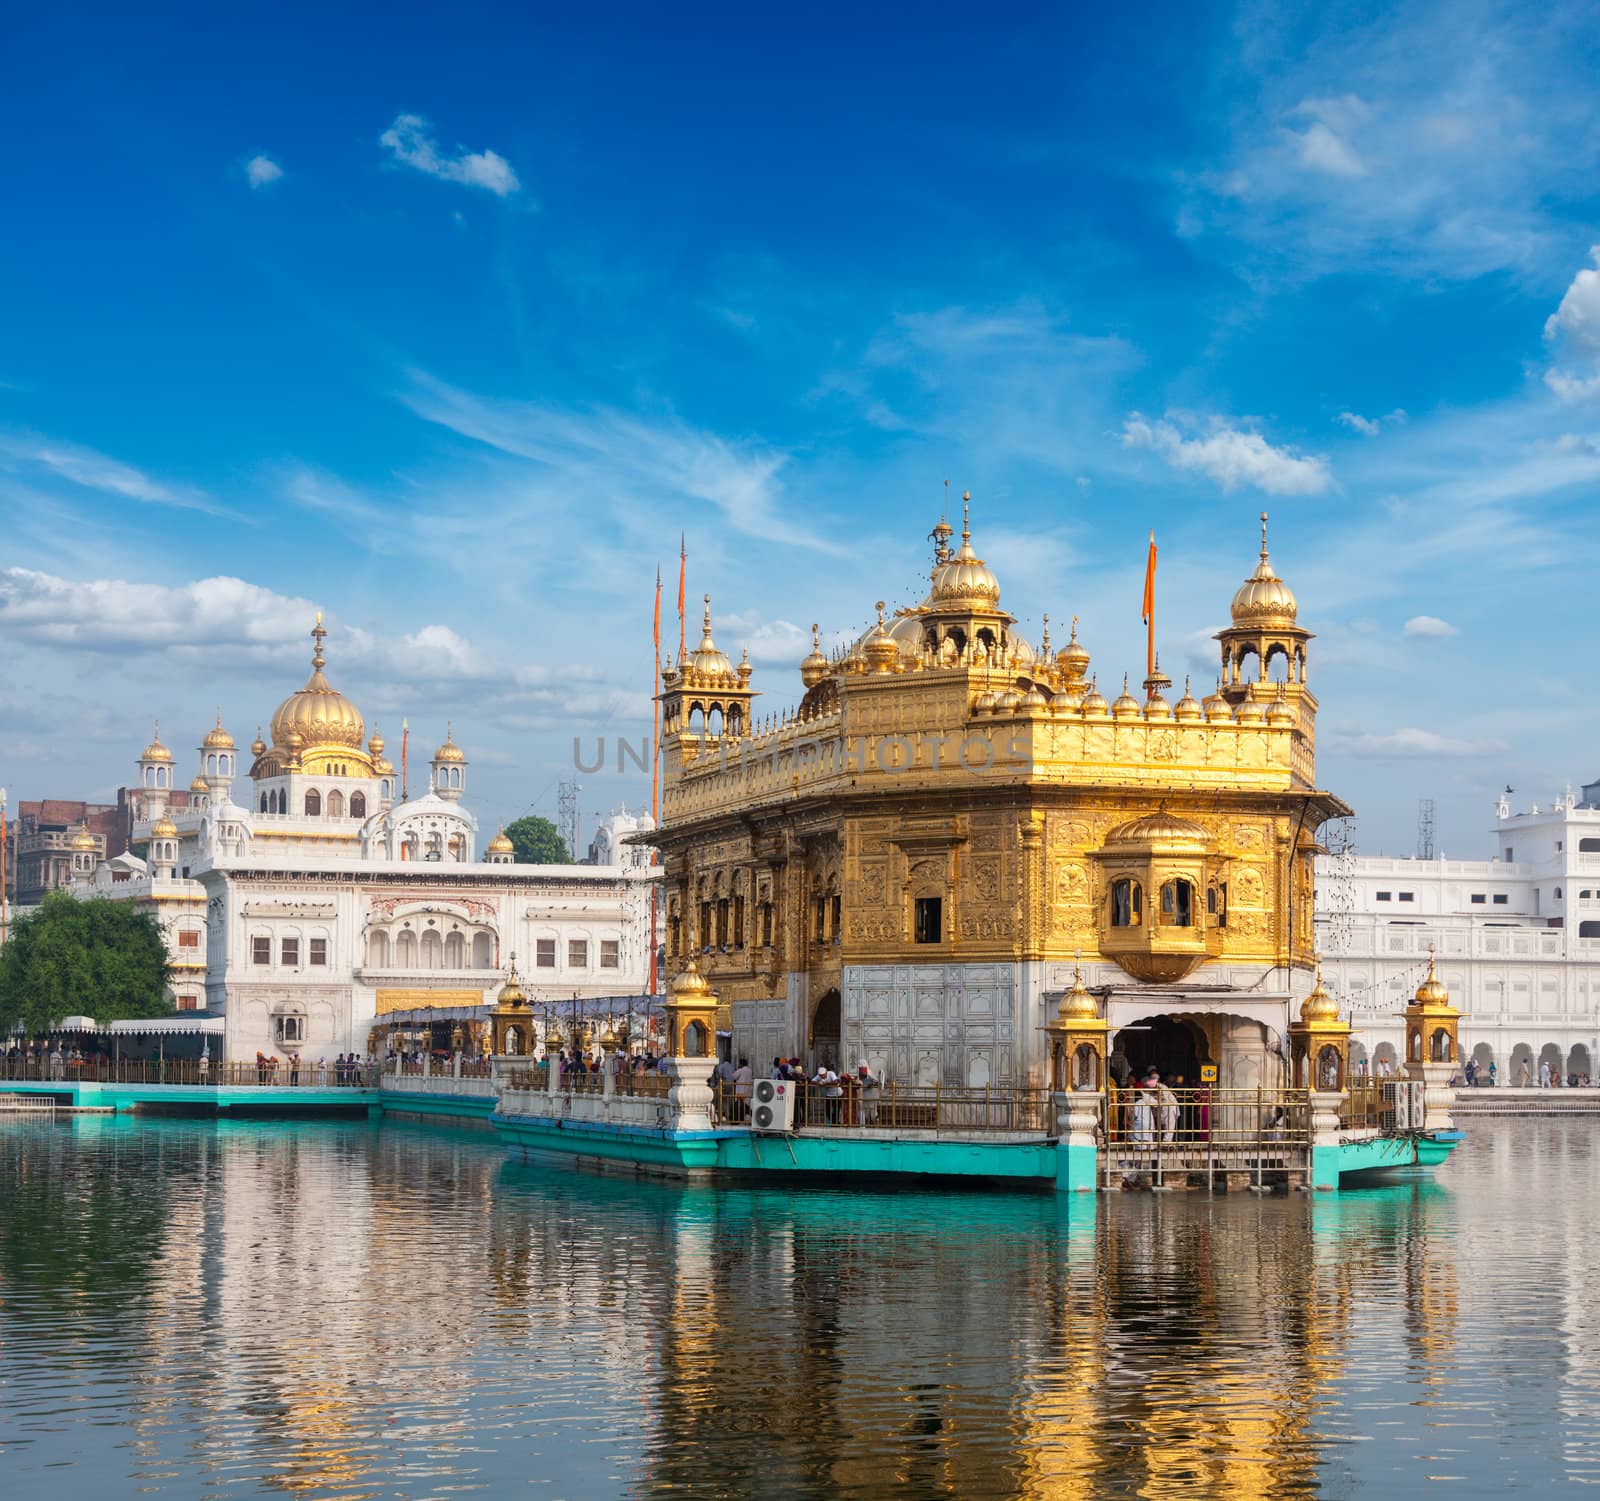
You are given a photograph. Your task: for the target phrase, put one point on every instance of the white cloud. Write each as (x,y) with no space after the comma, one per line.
(1577,319)
(411,144)
(261,170)
(1429,626)
(1323,151)
(1231,456)
(1412,743)
(1369,427)
(89,470)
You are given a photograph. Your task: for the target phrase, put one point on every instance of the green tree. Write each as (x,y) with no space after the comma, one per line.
(537,842)
(94,958)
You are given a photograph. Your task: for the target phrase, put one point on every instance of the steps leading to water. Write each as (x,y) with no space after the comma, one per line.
(1498,1101)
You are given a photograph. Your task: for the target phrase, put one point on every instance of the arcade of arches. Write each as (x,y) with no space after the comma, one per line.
(1246,1053)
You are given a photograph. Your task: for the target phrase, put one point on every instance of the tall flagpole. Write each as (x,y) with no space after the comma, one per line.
(1150,607)
(655,778)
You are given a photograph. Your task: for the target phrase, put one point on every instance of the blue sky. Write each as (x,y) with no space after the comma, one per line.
(448,323)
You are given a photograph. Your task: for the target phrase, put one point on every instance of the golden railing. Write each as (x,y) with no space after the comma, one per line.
(1205,1117)
(902,1107)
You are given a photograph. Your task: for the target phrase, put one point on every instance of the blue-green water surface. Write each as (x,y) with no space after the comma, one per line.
(197,1308)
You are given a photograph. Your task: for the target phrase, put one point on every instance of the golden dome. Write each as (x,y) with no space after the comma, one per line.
(162,828)
(156,751)
(552,1035)
(1034,699)
(1077,1005)
(1159,827)
(83,839)
(512,993)
(318,713)
(1250,710)
(258,746)
(1264,598)
(218,738)
(449,751)
(879,649)
(199,784)
(706,659)
(815,666)
(1432,992)
(1216,706)
(500,845)
(691,986)
(963,577)
(1319,1006)
(985,703)
(1279,712)
(1126,706)
(375,746)
(1188,707)
(1073,658)
(608,1039)
(1094,701)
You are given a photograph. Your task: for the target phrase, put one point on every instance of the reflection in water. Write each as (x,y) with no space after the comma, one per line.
(344,1310)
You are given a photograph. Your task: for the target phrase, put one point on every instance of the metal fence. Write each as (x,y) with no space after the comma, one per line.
(1152,1135)
(277,1073)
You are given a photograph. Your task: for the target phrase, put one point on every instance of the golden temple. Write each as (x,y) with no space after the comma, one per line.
(903,867)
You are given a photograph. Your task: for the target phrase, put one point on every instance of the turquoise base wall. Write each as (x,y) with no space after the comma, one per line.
(121,1097)
(435,1106)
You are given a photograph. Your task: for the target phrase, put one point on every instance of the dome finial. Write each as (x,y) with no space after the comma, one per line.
(879,608)
(708,614)
(317,634)
(1044,643)
(966,515)
(1263,536)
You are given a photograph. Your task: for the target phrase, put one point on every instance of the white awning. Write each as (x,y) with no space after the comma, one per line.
(180,1025)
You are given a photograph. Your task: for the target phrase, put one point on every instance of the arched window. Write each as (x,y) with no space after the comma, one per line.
(455,951)
(1330,1069)
(378,950)
(358,805)
(432,950)
(313,803)
(1177,904)
(405,949)
(336,804)
(458,847)
(1127,904)
(694,1040)
(263,802)
(1441,1045)
(482,951)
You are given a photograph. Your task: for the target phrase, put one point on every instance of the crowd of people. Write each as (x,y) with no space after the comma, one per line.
(825,1097)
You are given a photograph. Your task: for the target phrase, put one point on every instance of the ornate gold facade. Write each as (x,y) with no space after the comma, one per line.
(954,809)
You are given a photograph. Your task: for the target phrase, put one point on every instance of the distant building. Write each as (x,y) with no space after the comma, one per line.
(330,906)
(41,842)
(1517,937)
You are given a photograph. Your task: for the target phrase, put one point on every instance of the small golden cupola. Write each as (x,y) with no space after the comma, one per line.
(1157,917)
(879,650)
(691,1009)
(815,666)
(1432,1023)
(1073,659)
(500,850)
(705,697)
(217,738)
(510,1023)
(156,752)
(1078,1039)
(1319,1042)
(449,768)
(1265,629)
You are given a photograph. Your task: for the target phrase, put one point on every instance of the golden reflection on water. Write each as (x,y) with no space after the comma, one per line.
(346,1311)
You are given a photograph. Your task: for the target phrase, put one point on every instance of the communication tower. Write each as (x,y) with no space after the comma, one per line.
(1425,828)
(567,815)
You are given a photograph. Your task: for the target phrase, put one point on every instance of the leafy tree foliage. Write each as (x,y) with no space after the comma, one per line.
(94,958)
(537,842)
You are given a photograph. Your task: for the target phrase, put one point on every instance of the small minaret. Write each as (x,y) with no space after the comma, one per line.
(217,762)
(85,854)
(164,847)
(449,769)
(155,777)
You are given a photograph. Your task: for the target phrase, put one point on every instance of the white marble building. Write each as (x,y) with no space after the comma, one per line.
(323,900)
(1517,935)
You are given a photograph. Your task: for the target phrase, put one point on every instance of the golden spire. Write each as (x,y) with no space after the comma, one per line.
(966,516)
(1263,536)
(317,634)
(1044,643)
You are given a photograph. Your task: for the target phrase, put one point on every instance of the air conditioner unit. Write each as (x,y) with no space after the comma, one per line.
(1405,1098)
(772,1105)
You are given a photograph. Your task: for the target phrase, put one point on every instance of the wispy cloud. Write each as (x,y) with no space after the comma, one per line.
(261,171)
(1230,455)
(1370,427)
(1429,627)
(606,458)
(90,470)
(1410,743)
(410,142)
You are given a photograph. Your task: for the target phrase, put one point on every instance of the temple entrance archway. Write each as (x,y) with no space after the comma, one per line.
(824,1038)
(1174,1046)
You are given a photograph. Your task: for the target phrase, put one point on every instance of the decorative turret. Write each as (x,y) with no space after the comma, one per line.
(164,847)
(85,853)
(500,850)
(1433,1047)
(1266,627)
(1078,1039)
(511,1021)
(217,762)
(706,698)
(1319,1042)
(814,667)
(449,768)
(155,777)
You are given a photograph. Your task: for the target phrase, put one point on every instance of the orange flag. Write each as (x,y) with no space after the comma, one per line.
(1149,616)
(683,563)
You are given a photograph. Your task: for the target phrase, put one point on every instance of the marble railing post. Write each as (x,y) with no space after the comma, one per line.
(1077,1139)
(552,1081)
(455,1065)
(1438,1098)
(1324,1106)
(690,1095)
(427,1063)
